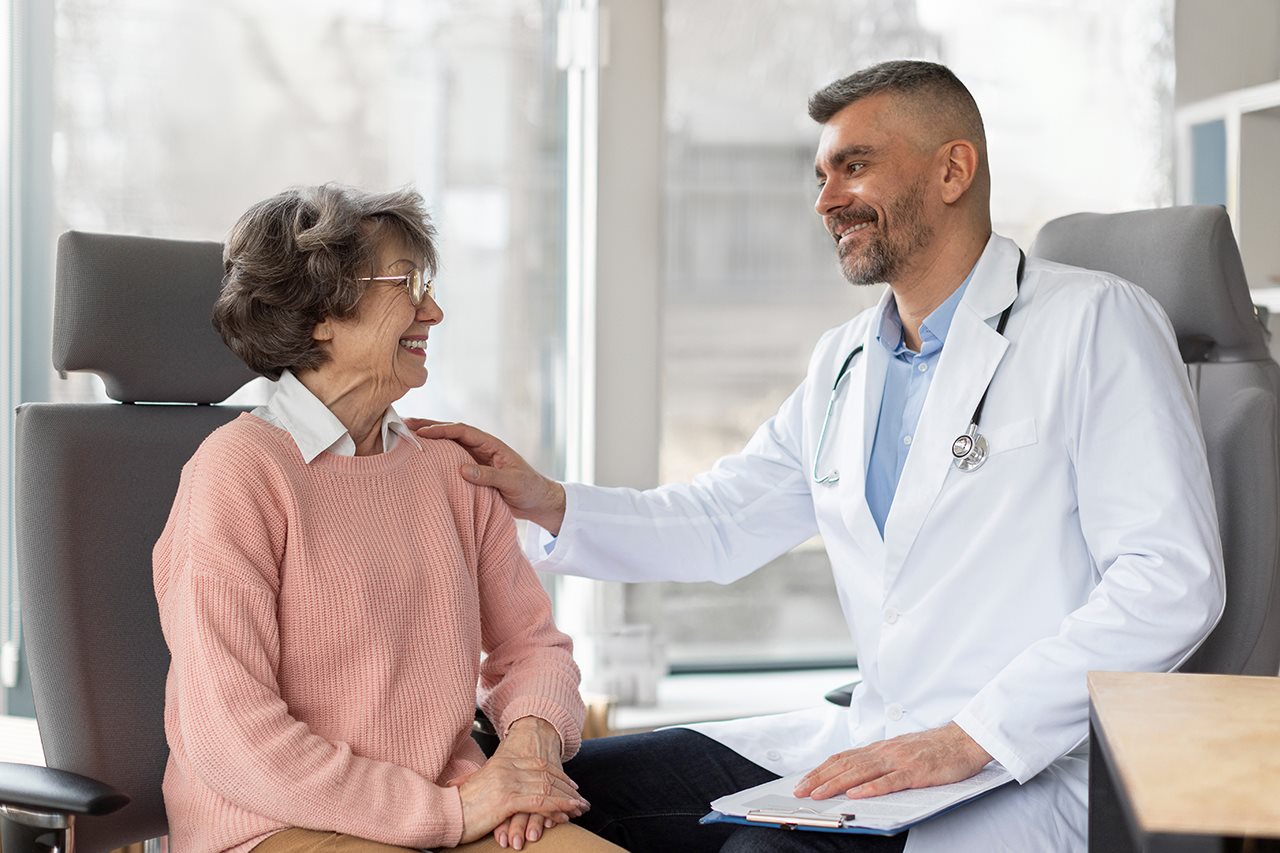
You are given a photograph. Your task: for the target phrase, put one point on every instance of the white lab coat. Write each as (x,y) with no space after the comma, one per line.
(1088,540)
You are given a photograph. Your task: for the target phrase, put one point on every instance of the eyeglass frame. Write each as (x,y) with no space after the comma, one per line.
(412,281)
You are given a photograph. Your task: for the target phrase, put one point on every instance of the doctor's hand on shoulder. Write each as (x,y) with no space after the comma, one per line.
(529,494)
(919,760)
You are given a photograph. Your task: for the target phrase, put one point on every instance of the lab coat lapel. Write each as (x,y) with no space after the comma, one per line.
(970,355)
(860,413)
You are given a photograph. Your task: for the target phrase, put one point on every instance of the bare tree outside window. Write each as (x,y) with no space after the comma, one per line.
(171,118)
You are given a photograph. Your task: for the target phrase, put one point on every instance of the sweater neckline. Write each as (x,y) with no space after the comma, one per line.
(378,463)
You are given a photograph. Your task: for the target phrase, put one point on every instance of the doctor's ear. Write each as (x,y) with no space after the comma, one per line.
(960,166)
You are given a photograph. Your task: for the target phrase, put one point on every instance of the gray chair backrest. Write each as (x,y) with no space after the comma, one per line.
(94,486)
(1186,257)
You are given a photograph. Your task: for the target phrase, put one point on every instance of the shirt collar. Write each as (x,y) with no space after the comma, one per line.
(933,329)
(315,429)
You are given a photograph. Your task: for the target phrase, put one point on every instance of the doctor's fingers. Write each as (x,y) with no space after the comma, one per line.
(841,772)
(482,446)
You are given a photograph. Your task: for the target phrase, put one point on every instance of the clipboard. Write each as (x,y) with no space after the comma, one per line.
(767,818)
(770,806)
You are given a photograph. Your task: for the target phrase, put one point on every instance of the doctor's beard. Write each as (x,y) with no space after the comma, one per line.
(885,252)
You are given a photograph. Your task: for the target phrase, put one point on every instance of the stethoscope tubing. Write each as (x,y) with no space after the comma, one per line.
(834,477)
(969,450)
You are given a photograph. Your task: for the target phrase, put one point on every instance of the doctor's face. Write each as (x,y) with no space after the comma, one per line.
(872,189)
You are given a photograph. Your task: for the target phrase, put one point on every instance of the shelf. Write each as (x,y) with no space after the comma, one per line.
(1229,154)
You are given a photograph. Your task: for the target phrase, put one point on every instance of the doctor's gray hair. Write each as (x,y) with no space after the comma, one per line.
(937,94)
(292,261)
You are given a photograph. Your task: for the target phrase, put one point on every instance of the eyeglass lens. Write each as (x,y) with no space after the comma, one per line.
(419,287)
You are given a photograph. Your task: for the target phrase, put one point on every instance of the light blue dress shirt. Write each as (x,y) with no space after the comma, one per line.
(906,383)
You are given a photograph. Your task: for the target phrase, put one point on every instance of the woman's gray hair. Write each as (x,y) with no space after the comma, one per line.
(292,260)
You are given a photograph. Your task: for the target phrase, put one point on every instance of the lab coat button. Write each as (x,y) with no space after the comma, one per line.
(890,615)
(773,755)
(894,712)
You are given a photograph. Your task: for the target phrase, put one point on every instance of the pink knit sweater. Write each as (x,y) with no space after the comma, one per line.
(326,623)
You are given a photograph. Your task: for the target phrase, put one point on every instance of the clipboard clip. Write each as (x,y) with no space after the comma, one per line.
(791,818)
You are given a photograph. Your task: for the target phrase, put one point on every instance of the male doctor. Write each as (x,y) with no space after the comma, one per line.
(978,595)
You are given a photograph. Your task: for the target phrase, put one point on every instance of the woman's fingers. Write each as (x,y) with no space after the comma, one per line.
(548,804)
(502,833)
(551,784)
(520,830)
(532,776)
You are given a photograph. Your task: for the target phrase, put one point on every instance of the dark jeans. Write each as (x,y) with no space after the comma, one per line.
(647,792)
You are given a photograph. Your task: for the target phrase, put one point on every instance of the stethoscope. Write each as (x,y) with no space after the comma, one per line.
(969,451)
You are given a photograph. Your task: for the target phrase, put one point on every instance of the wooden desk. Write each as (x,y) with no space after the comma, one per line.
(1182,762)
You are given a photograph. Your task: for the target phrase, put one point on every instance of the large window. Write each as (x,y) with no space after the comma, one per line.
(171,118)
(1077,100)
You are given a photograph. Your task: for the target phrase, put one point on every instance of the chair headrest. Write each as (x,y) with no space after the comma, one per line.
(136,311)
(1186,257)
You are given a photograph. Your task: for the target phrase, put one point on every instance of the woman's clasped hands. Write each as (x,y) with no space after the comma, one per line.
(522,790)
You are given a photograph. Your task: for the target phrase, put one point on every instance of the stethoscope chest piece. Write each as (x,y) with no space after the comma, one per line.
(969,450)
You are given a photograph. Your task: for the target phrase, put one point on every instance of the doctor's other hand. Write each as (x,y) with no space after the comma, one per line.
(529,494)
(934,757)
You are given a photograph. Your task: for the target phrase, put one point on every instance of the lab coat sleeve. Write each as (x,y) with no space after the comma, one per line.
(1147,515)
(748,509)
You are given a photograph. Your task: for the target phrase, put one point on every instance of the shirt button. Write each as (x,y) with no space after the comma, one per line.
(906,439)
(891,615)
(894,712)
(773,755)
(923,367)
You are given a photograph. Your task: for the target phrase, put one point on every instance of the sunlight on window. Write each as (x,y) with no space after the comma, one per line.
(1077,100)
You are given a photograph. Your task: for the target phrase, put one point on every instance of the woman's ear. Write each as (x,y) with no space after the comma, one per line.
(323,330)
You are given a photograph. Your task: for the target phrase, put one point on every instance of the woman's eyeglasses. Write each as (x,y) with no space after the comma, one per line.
(419,288)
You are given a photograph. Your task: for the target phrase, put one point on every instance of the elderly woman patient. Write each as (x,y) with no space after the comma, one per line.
(327,582)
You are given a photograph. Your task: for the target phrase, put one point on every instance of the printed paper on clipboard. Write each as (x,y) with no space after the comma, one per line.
(773,803)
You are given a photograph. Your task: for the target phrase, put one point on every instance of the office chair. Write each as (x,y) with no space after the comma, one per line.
(1186,257)
(94,486)
(95,483)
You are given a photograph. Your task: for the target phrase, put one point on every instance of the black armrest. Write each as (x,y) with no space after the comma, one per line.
(46,789)
(842,695)
(482,725)
(484,733)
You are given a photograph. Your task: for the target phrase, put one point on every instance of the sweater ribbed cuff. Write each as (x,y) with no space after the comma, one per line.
(562,720)
(452,818)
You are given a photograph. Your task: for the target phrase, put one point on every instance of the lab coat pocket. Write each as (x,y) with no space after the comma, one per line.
(1006,437)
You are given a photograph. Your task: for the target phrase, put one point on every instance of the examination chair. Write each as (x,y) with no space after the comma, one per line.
(1186,257)
(94,485)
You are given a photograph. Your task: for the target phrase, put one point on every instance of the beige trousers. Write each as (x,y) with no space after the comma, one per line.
(565,838)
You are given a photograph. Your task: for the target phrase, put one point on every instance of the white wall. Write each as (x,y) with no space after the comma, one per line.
(1221,46)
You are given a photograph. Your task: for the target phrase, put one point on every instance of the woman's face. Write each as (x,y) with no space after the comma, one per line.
(385,341)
